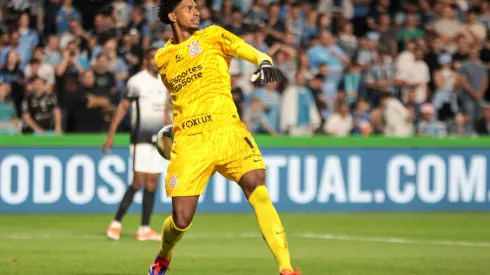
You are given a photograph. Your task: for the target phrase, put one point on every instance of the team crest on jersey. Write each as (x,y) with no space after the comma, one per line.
(194,48)
(173,181)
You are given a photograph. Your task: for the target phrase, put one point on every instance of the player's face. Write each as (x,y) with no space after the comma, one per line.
(187,15)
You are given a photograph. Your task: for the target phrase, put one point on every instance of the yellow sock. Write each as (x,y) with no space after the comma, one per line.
(270,226)
(170,237)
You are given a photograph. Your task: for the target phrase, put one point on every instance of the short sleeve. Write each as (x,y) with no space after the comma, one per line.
(132,93)
(25,107)
(54,101)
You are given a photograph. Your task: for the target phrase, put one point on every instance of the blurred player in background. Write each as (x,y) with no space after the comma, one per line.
(148,98)
(208,133)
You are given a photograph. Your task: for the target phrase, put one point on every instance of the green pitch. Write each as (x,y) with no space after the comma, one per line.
(333,244)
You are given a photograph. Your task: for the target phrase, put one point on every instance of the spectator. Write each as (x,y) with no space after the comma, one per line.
(89,105)
(104,79)
(72,61)
(448,28)
(237,26)
(361,119)
(151,14)
(297,23)
(9,121)
(327,52)
(482,126)
(412,103)
(387,40)
(40,110)
(476,73)
(411,30)
(205,18)
(343,8)
(304,65)
(380,79)
(52,53)
(121,13)
(446,102)
(28,37)
(476,30)
(340,123)
(406,58)
(432,59)
(271,102)
(399,121)
(131,54)
(377,127)
(462,53)
(310,26)
(367,54)
(258,14)
(139,22)
(285,59)
(299,115)
(347,40)
(76,32)
(24,54)
(64,16)
(116,66)
(299,37)
(42,69)
(484,17)
(256,119)
(351,83)
(315,86)
(416,76)
(13,75)
(379,7)
(429,126)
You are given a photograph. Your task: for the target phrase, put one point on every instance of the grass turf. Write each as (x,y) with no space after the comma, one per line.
(230,244)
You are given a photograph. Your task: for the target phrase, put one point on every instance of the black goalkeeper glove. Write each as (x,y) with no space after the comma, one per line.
(266,73)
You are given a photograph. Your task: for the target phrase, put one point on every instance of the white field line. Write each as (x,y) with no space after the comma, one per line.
(394,240)
(335,237)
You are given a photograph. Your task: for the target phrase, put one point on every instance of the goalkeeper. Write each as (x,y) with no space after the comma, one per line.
(208,133)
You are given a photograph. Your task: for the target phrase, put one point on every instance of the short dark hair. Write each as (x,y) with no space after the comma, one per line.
(164,8)
(149,51)
(101,55)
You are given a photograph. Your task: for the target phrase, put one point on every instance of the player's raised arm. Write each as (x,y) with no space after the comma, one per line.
(237,47)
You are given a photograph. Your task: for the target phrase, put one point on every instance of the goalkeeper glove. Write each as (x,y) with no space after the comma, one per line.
(266,73)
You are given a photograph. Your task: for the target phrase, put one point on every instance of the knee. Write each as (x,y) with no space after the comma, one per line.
(251,181)
(151,185)
(137,183)
(182,219)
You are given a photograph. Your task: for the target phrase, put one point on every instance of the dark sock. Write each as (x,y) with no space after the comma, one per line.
(125,203)
(148,203)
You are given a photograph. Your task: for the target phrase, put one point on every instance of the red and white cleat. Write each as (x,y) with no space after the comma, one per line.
(159,267)
(290,272)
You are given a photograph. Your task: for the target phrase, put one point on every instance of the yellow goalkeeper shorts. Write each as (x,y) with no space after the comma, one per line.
(230,150)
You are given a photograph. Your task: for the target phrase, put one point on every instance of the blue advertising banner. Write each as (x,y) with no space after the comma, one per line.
(52,180)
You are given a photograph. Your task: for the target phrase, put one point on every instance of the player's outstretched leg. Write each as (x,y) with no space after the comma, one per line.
(145,232)
(114,230)
(174,227)
(270,225)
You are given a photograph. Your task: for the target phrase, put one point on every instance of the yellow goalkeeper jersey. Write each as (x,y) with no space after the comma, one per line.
(196,72)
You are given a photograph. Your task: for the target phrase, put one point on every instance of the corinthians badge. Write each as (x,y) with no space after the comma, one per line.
(194,48)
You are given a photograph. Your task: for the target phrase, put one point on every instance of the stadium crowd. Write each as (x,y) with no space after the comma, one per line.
(351,67)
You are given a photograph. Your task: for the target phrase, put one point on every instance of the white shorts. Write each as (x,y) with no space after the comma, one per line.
(146,158)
